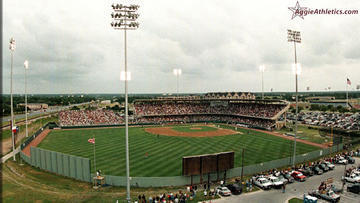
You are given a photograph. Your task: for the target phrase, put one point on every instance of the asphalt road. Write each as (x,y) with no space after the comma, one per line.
(297,189)
(34,113)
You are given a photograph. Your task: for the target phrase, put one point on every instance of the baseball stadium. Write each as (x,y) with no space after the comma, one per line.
(162,132)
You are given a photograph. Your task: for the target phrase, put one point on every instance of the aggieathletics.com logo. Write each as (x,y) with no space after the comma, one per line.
(299,11)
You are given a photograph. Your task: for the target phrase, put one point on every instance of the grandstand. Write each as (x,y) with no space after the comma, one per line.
(89,118)
(248,112)
(252,113)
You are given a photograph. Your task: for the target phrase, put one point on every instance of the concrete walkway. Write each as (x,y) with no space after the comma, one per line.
(9,155)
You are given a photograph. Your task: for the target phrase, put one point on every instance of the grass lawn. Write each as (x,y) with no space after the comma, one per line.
(296,200)
(162,156)
(306,134)
(29,184)
(194,128)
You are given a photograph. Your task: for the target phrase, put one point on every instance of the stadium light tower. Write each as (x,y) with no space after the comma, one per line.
(124,18)
(177,72)
(12,47)
(262,70)
(26,66)
(294,36)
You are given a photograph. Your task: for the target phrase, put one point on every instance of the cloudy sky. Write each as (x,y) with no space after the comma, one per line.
(218,44)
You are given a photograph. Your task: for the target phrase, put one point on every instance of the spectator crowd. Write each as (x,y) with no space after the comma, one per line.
(250,114)
(186,108)
(89,117)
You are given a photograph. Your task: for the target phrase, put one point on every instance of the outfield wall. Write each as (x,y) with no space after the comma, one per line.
(80,168)
(59,163)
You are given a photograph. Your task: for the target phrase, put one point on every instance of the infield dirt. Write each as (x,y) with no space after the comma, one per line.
(168,131)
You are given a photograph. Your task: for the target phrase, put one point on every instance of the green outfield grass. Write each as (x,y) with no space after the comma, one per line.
(194,128)
(151,155)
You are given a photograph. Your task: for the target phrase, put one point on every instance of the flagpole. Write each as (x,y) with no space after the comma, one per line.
(347,94)
(94,156)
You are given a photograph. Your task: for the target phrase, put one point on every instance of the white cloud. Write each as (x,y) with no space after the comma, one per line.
(219,45)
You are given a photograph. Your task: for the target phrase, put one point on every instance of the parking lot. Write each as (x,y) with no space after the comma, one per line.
(298,189)
(344,121)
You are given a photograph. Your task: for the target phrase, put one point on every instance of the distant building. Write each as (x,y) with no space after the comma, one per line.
(34,106)
(319,98)
(106,102)
(229,95)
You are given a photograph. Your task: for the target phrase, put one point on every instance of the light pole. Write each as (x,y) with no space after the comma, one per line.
(12,49)
(294,36)
(26,66)
(177,72)
(124,18)
(262,70)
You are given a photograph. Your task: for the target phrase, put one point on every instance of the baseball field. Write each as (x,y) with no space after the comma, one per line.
(158,151)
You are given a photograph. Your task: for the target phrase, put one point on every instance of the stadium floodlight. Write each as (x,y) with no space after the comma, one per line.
(124,18)
(294,36)
(12,47)
(26,66)
(262,70)
(177,72)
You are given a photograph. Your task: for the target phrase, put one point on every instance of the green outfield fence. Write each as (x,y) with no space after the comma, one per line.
(59,163)
(79,168)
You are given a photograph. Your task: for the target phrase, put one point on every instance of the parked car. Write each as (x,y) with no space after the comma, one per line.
(224,191)
(342,160)
(330,165)
(306,171)
(354,188)
(336,190)
(235,189)
(324,167)
(356,172)
(289,178)
(329,195)
(298,176)
(263,183)
(275,181)
(317,170)
(283,179)
(350,159)
(353,178)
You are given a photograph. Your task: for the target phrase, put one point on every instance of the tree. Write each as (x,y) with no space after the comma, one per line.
(323,108)
(314,107)
(331,107)
(116,108)
(75,108)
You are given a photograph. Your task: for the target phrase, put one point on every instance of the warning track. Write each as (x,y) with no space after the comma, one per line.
(35,142)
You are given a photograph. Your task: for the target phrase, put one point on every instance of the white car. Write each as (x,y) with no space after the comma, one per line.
(353,178)
(224,191)
(330,165)
(263,183)
(342,160)
(276,182)
(356,172)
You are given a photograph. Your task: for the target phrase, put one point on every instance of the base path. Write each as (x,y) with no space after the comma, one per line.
(35,142)
(323,146)
(168,131)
